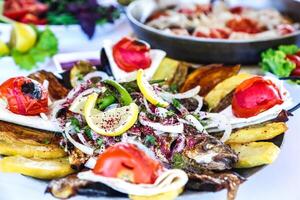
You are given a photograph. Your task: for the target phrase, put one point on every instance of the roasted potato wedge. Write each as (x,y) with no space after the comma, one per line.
(163,196)
(18,140)
(262,132)
(37,168)
(208,77)
(224,88)
(255,154)
(173,71)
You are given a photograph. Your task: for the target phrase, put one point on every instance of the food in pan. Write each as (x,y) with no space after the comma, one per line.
(220,21)
(142,138)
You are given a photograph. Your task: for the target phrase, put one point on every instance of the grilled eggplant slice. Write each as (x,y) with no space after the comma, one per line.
(56,89)
(255,154)
(261,132)
(27,142)
(208,77)
(37,168)
(71,185)
(222,89)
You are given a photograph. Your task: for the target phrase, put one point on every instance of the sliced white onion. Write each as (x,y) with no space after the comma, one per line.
(200,103)
(185,95)
(96,74)
(112,106)
(91,162)
(195,122)
(44,116)
(147,106)
(55,108)
(174,128)
(85,149)
(222,123)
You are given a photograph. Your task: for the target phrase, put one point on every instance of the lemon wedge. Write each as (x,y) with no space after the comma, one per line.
(4,50)
(148,91)
(113,122)
(171,195)
(78,105)
(23,37)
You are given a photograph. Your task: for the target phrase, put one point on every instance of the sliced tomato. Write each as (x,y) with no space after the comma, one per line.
(245,25)
(253,96)
(24,96)
(130,54)
(295,59)
(32,19)
(128,162)
(237,10)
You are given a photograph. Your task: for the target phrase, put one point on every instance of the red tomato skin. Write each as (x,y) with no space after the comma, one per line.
(20,103)
(253,96)
(131,55)
(295,59)
(127,158)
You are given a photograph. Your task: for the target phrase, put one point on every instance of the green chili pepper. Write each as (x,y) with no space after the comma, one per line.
(125,98)
(105,101)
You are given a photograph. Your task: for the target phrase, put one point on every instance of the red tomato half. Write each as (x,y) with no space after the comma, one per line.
(131,55)
(24,96)
(253,96)
(295,59)
(128,162)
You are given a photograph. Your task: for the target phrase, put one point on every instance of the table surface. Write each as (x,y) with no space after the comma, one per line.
(277,181)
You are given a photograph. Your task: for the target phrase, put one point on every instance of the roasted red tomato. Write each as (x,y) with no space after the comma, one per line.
(24,96)
(131,54)
(128,162)
(245,25)
(295,59)
(254,96)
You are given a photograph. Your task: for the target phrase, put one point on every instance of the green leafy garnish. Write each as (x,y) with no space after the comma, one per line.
(76,124)
(275,61)
(99,142)
(46,46)
(88,132)
(176,103)
(150,139)
(178,161)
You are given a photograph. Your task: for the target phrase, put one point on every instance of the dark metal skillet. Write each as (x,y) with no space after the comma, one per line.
(204,51)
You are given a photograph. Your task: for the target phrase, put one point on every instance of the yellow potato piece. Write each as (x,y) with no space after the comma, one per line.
(16,144)
(166,69)
(252,134)
(214,97)
(164,196)
(255,154)
(37,168)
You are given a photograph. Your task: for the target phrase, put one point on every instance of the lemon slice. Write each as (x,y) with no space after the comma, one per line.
(4,50)
(78,105)
(147,90)
(23,37)
(113,122)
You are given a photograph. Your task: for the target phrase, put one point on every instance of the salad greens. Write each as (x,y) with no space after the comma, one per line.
(46,46)
(275,61)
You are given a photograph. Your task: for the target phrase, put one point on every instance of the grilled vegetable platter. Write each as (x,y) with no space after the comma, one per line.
(140,125)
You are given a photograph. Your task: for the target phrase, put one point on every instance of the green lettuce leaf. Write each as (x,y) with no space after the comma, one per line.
(275,61)
(46,46)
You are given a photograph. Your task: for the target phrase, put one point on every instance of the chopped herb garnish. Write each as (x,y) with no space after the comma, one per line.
(178,161)
(80,77)
(170,113)
(99,142)
(176,103)
(173,88)
(88,132)
(150,139)
(75,122)
(46,141)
